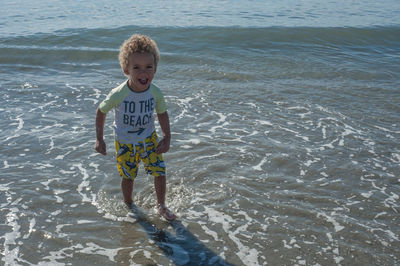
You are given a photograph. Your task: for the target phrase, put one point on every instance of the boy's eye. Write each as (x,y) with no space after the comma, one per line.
(138,68)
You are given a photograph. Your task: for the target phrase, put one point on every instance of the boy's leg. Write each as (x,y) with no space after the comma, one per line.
(160,187)
(127,189)
(154,165)
(127,164)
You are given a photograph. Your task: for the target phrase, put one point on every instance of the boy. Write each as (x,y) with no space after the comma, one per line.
(134,102)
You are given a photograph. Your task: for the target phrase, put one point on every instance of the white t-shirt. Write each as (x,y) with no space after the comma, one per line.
(134,111)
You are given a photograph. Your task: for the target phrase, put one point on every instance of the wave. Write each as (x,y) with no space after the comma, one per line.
(189,45)
(110,38)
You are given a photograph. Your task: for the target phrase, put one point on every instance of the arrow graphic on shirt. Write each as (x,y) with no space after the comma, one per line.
(139,131)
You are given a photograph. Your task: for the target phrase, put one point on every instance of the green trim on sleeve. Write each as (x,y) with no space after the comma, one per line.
(114,98)
(161,106)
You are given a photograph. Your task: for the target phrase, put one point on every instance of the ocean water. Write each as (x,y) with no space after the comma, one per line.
(285,123)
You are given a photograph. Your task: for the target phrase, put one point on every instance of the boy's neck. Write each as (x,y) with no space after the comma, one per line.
(132,88)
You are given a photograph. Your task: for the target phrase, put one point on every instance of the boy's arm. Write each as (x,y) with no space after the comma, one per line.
(100,145)
(163,145)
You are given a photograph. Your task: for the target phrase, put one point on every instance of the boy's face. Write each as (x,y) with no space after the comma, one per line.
(141,70)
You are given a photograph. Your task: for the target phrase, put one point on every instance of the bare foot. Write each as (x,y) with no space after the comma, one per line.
(165,212)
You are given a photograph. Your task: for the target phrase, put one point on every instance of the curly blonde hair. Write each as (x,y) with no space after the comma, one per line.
(137,43)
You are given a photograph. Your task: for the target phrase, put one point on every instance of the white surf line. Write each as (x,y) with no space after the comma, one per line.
(335,244)
(335,250)
(395,157)
(59,228)
(47,104)
(264,122)
(222,117)
(90,249)
(6,165)
(32,223)
(20,123)
(57,192)
(348,130)
(330,219)
(372,229)
(97,93)
(84,184)
(214,128)
(183,103)
(51,145)
(61,156)
(387,130)
(11,255)
(71,87)
(392,198)
(263,161)
(300,108)
(323,129)
(95,101)
(250,104)
(392,236)
(186,142)
(297,134)
(93,248)
(209,156)
(249,256)
(208,231)
(291,244)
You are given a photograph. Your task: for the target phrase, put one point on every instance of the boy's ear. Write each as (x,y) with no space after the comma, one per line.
(126,71)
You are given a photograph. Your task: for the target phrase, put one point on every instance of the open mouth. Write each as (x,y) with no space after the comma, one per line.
(143,81)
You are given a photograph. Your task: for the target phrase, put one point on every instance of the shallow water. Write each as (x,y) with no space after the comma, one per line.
(284,151)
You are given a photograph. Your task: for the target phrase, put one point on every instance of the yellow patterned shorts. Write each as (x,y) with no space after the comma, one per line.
(130,155)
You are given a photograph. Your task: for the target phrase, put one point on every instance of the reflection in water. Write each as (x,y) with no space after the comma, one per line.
(181,248)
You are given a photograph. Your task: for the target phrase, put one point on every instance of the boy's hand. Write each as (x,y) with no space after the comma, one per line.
(163,145)
(100,147)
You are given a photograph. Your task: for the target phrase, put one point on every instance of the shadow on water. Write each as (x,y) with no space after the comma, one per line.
(183,248)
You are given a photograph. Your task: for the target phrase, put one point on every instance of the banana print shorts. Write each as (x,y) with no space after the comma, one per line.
(130,155)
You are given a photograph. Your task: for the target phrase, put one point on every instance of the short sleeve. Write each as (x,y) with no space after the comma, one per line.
(161,106)
(114,98)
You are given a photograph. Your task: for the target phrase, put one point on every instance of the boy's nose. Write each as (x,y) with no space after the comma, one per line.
(143,71)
